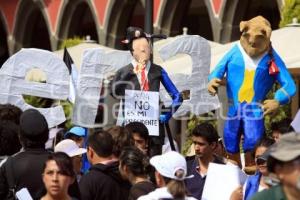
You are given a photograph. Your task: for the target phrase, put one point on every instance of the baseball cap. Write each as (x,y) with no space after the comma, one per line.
(76,130)
(33,124)
(69,147)
(169,163)
(287,149)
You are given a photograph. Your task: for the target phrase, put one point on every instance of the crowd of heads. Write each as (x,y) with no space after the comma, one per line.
(129,146)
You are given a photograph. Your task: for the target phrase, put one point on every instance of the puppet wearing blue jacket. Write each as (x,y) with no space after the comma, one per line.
(252,67)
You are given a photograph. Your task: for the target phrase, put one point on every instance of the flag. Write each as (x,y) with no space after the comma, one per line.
(73,75)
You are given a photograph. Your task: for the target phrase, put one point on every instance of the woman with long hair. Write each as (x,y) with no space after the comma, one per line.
(134,166)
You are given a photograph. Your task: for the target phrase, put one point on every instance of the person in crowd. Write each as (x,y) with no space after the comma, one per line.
(9,140)
(140,135)
(74,151)
(259,181)
(25,168)
(280,128)
(121,137)
(170,173)
(134,167)
(58,175)
(103,181)
(205,139)
(10,113)
(284,161)
(77,134)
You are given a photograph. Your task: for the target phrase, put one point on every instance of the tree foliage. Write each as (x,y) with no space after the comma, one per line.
(70,42)
(290,10)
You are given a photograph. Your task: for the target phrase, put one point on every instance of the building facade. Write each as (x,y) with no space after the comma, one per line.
(46,23)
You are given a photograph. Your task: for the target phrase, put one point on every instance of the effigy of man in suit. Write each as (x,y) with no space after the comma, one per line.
(252,67)
(142,74)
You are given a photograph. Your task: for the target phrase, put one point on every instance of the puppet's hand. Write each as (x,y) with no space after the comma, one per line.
(212,86)
(270,106)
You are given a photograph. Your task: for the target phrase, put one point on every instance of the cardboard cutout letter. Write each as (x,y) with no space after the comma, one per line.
(96,64)
(13,84)
(198,48)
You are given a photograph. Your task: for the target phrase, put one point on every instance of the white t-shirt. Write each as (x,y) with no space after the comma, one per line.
(160,193)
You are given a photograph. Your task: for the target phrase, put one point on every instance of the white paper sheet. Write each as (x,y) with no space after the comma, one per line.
(221,181)
(296,122)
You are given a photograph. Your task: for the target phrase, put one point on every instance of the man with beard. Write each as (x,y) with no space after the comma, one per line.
(205,139)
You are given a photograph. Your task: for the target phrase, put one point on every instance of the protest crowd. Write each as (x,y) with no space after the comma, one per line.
(118,165)
(126,161)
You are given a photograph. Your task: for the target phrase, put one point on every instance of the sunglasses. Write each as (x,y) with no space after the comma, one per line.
(260,161)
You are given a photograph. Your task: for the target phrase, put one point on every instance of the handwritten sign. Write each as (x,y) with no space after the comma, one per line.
(142,106)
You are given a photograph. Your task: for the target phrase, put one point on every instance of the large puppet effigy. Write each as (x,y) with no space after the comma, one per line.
(251,68)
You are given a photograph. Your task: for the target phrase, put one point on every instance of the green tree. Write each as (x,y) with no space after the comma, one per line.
(290,10)
(70,42)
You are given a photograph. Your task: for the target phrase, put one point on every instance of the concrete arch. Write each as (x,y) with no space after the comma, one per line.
(77,18)
(32,26)
(123,13)
(248,9)
(4,54)
(193,14)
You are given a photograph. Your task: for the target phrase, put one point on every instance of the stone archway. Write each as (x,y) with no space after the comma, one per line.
(192,14)
(77,20)
(3,41)
(248,9)
(32,27)
(123,14)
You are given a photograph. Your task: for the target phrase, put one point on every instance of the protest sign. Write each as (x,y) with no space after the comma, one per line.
(142,106)
(221,181)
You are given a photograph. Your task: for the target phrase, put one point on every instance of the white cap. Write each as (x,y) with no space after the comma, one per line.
(169,163)
(69,147)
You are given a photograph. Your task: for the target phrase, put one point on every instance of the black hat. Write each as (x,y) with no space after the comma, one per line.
(134,33)
(33,124)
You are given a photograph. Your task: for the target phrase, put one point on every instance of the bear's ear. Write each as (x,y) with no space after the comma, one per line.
(267,32)
(244,26)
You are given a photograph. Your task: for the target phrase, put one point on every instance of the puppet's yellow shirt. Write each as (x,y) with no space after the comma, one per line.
(246,92)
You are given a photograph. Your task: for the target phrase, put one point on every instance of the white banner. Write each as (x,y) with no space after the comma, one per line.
(221,181)
(142,106)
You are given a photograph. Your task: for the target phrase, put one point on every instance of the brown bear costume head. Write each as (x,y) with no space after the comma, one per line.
(256,34)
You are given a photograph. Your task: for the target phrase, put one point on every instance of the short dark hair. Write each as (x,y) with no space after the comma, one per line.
(138,128)
(135,160)
(207,131)
(10,112)
(101,142)
(121,138)
(283,126)
(9,140)
(64,163)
